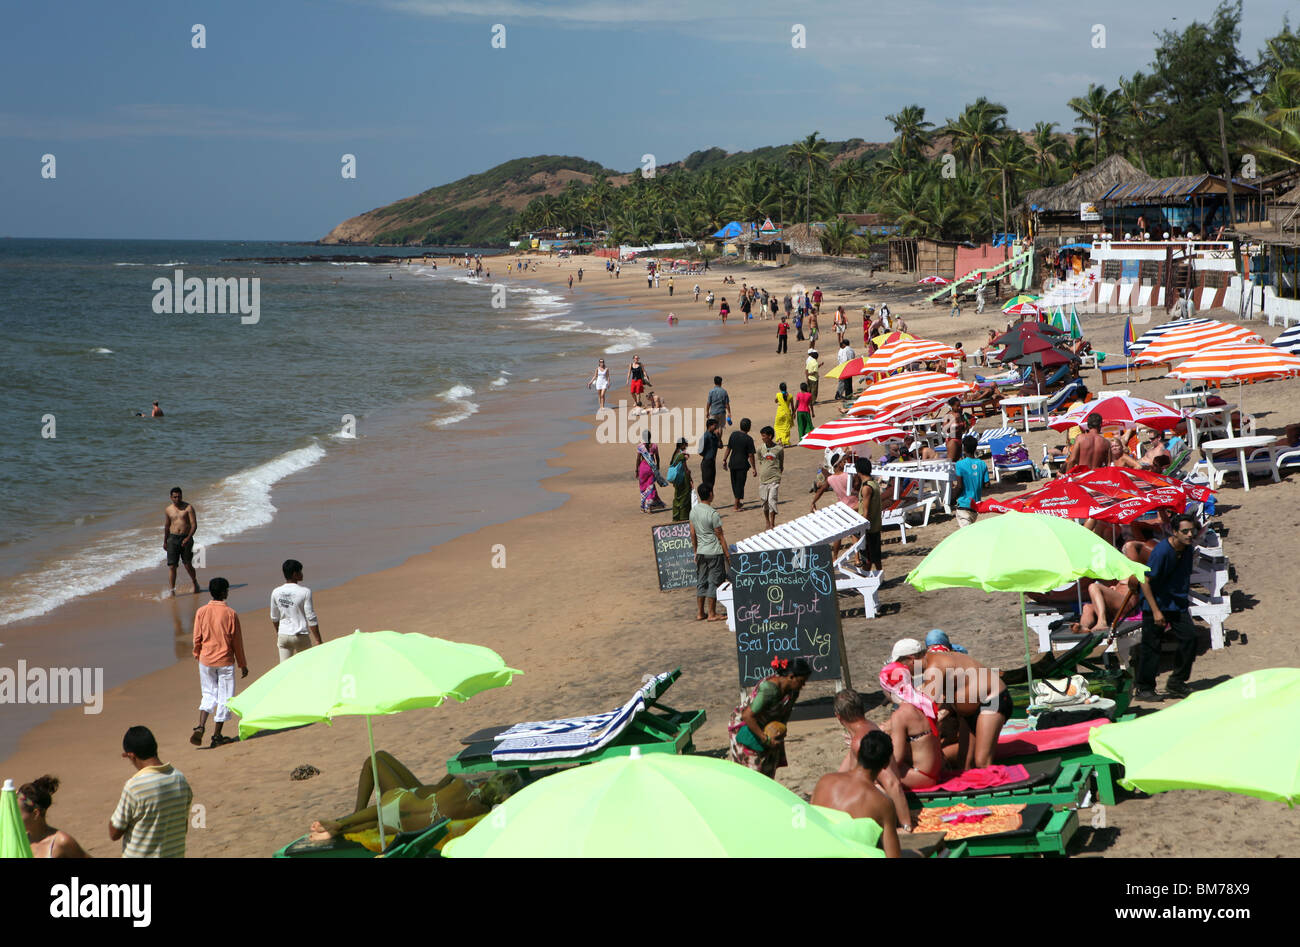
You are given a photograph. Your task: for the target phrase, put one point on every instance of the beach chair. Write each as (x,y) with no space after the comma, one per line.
(643,722)
(1043,831)
(998,447)
(992,434)
(1049,781)
(1018,741)
(834,523)
(910,500)
(1104,674)
(1054,404)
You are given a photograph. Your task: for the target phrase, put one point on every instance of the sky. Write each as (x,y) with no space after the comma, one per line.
(244,138)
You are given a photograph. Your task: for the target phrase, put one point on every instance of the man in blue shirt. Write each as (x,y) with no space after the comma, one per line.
(974,473)
(1166,592)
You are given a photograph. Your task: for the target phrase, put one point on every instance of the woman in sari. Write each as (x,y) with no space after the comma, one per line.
(682,487)
(757,726)
(647,474)
(784,416)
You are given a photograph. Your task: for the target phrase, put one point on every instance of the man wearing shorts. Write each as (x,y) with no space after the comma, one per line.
(711,555)
(771,464)
(637,379)
(869,506)
(973,474)
(718,405)
(180,523)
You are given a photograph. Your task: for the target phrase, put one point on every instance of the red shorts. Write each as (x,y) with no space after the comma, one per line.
(637,386)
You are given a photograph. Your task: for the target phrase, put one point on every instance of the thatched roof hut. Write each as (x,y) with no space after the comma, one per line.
(1064,199)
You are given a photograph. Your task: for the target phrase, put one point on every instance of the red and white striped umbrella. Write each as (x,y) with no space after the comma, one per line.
(892,357)
(1184,342)
(934,281)
(846,432)
(907,388)
(1024,309)
(909,411)
(1119,410)
(1240,361)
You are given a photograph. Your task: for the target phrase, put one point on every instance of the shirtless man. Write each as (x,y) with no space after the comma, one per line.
(180,523)
(851,714)
(156,412)
(975,694)
(1090,448)
(855,792)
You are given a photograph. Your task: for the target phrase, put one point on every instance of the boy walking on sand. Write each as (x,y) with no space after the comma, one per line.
(292,614)
(218,647)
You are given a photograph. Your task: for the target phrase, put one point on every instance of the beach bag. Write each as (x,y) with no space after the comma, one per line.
(676,474)
(1015,454)
(1101,708)
(1061,691)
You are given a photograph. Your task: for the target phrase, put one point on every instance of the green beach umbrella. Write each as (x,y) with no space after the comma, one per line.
(1018,299)
(13,835)
(664,806)
(1058,319)
(371,674)
(1238,737)
(1021,552)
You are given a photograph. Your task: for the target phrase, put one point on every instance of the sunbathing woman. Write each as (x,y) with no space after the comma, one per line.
(914,729)
(1120,458)
(1107,599)
(409,806)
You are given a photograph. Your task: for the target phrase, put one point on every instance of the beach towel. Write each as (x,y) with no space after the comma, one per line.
(962,821)
(1019,740)
(574,736)
(990,777)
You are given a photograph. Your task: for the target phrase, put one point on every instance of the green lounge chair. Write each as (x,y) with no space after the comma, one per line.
(1105,678)
(302,847)
(644,722)
(1049,781)
(1043,831)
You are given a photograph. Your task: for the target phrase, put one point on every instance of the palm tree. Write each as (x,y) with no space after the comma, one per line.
(1274,118)
(1045,148)
(809,153)
(1078,158)
(910,132)
(837,237)
(1134,98)
(975,130)
(1098,110)
(1009,158)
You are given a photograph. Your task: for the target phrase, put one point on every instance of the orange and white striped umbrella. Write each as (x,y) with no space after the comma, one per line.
(906,388)
(900,354)
(1240,361)
(1184,342)
(846,432)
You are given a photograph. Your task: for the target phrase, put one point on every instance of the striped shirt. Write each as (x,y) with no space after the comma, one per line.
(154,812)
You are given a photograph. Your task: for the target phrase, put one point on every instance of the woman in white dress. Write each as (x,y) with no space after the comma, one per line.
(600,378)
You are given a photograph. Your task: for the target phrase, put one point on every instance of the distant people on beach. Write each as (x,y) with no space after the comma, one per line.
(771,466)
(724,310)
(180,523)
(804,410)
(34,801)
(782,337)
(680,477)
(153,812)
(784,421)
(292,613)
(218,647)
(710,444)
(718,404)
(709,546)
(155,412)
(600,378)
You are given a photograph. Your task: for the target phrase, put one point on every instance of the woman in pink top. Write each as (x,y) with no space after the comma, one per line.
(803,410)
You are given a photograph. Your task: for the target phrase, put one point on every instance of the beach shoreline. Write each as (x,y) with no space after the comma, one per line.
(575,605)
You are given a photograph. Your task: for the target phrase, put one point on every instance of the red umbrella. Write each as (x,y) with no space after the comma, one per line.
(934,281)
(1119,410)
(1126,481)
(1059,498)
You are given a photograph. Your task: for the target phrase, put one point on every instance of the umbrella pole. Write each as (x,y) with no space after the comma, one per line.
(1029,664)
(379,796)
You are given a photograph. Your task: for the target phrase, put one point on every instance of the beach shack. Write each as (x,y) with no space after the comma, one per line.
(1070,209)
(1192,204)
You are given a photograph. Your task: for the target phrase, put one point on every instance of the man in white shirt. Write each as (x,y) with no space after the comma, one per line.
(292,613)
(845,388)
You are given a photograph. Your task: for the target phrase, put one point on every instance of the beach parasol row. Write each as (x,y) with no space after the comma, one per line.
(1185,341)
(847,432)
(907,388)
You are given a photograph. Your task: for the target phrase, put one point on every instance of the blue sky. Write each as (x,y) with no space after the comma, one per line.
(243,139)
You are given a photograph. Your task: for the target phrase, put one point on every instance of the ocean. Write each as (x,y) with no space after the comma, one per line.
(354,379)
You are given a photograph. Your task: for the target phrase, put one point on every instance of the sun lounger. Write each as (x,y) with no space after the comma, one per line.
(999,447)
(1048,781)
(1105,676)
(1054,404)
(643,722)
(339,847)
(825,526)
(1105,771)
(1043,831)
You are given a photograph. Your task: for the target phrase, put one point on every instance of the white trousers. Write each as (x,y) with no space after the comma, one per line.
(218,686)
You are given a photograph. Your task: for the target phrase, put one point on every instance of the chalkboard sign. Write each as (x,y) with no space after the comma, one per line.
(674,556)
(786,607)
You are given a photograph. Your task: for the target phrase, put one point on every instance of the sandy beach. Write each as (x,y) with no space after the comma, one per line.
(577,607)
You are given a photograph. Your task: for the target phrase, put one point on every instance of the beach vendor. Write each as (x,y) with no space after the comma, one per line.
(647,474)
(757,725)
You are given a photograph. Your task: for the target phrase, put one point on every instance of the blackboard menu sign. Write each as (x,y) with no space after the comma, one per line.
(674,556)
(786,607)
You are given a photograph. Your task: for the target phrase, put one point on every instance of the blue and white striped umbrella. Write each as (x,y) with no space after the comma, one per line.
(1289,341)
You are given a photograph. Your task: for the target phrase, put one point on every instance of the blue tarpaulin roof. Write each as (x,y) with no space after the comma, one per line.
(1075,246)
(732,229)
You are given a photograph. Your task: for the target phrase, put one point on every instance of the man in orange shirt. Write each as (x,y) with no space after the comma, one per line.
(218,647)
